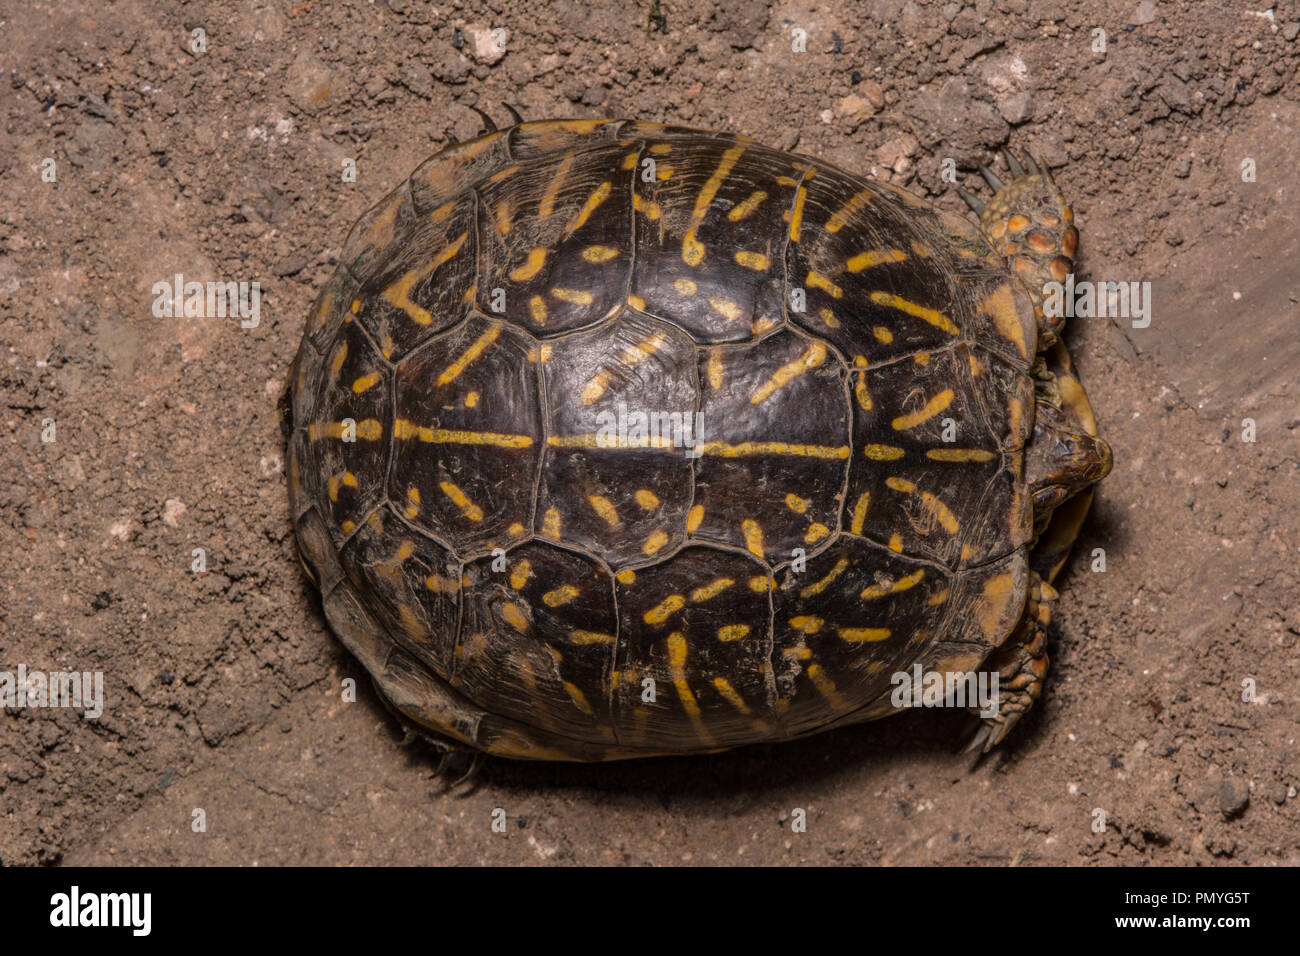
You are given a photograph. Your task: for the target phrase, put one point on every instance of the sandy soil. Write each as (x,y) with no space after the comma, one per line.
(223,688)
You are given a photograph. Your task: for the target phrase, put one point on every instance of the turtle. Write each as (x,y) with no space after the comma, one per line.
(613,439)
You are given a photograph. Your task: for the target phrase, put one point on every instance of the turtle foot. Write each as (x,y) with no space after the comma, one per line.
(1029,222)
(1021,664)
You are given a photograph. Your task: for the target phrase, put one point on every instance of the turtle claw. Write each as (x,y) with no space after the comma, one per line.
(1013,164)
(513,112)
(489,124)
(991,179)
(975,204)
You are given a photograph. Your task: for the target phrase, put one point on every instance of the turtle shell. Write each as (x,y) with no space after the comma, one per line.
(613,439)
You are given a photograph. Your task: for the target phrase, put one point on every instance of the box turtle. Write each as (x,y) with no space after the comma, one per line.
(610,439)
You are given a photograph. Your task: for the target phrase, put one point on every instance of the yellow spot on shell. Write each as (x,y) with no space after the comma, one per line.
(348,526)
(882,452)
(647,499)
(685,286)
(514,617)
(626,577)
(574,296)
(412,502)
(933,316)
(604,508)
(807,623)
(647,207)
(883,334)
(819,281)
(724,688)
(655,543)
(403,429)
(365,382)
(711,590)
(598,196)
(760,583)
(599,254)
(726,308)
(866,260)
(825,686)
(732,632)
(470,510)
(665,609)
(819,586)
(816,531)
(677,664)
(636,302)
(753,536)
(579,699)
(752,260)
(515,529)
(693,519)
(828,318)
(501,217)
(537,309)
(796,217)
(547,205)
(338,358)
(747,448)
(591,637)
(796,504)
(536,259)
(861,394)
(896,543)
(713,369)
(876,591)
(934,406)
(860,512)
(811,358)
(862,635)
(595,388)
(842,215)
(560,596)
(344,479)
(551,523)
(480,345)
(746,208)
(520,574)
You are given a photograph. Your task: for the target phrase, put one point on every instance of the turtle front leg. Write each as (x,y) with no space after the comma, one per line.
(1021,665)
(1029,222)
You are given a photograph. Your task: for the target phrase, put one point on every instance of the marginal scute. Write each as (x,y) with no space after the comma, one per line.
(456,169)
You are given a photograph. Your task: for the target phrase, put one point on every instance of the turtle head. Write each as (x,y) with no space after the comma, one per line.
(1061,460)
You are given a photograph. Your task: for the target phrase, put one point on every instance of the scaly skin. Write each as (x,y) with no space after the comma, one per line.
(1030,223)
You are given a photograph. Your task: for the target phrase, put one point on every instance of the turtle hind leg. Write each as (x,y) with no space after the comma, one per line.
(1021,665)
(1029,222)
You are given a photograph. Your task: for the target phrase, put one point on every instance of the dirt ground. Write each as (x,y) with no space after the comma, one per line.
(223,688)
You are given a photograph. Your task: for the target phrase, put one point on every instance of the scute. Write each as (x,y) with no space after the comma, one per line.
(468,433)
(608,484)
(775,430)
